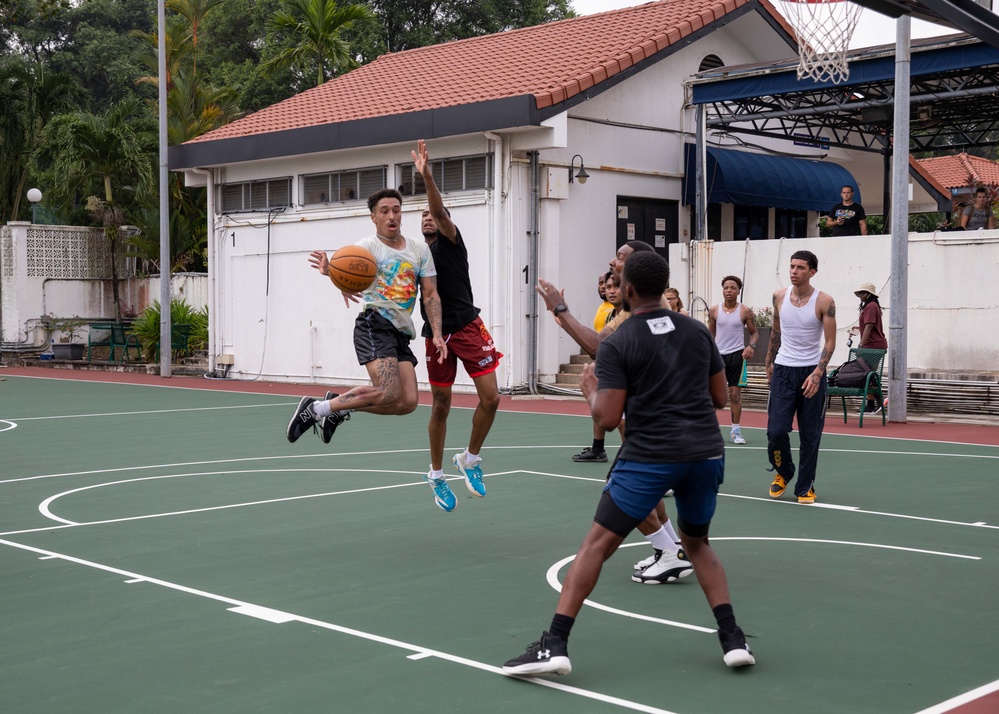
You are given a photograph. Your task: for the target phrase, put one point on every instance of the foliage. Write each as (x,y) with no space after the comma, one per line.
(67,327)
(147,326)
(763,316)
(316,27)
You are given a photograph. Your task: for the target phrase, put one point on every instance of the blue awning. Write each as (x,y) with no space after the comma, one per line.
(761,180)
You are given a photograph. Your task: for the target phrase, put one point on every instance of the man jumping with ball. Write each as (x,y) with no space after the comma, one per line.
(384,328)
(467,338)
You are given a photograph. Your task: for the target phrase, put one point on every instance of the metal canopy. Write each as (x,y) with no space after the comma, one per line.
(954,98)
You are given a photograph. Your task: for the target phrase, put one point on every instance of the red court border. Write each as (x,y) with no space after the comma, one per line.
(920,431)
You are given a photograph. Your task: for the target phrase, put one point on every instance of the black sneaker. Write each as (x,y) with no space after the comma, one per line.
(588,454)
(737,652)
(303,419)
(546,656)
(872,408)
(327,425)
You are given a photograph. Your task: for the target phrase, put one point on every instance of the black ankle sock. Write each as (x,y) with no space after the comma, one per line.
(561,625)
(725,617)
(598,445)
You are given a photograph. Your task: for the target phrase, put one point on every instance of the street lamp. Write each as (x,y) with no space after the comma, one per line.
(34,195)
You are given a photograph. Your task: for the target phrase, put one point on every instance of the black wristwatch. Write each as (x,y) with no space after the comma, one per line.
(560,308)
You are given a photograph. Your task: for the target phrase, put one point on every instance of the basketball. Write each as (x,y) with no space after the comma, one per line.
(352,269)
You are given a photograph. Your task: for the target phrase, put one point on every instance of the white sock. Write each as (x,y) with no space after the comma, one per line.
(321,409)
(436,474)
(736,429)
(668,525)
(660,540)
(471,459)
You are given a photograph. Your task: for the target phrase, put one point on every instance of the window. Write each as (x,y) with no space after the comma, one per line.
(463,174)
(256,195)
(339,186)
(751,222)
(710,62)
(790,223)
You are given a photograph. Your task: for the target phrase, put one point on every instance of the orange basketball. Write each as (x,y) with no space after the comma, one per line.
(352,269)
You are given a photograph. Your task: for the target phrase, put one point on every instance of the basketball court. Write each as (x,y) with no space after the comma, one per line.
(164,548)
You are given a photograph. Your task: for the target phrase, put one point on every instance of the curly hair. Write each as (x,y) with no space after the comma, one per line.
(648,273)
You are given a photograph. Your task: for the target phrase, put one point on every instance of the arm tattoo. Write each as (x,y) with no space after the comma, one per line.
(831,312)
(823,360)
(774,345)
(433,308)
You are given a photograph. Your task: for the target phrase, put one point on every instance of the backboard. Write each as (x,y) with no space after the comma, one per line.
(975,18)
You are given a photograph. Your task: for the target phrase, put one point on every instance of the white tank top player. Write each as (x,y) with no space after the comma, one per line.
(729,332)
(801,333)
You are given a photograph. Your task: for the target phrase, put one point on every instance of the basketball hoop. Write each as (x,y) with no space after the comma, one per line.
(824,29)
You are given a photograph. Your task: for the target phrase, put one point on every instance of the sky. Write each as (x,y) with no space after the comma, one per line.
(872,28)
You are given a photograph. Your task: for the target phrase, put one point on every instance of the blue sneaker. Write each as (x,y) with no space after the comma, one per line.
(442,494)
(472,474)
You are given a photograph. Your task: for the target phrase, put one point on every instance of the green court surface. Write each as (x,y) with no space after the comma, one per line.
(167,550)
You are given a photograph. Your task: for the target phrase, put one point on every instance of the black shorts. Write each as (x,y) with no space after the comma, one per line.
(733,368)
(375,337)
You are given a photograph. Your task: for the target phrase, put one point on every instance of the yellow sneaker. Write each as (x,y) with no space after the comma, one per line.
(808,497)
(778,486)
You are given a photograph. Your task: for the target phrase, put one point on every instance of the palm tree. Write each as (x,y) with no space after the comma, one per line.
(116,150)
(315,27)
(33,95)
(194,11)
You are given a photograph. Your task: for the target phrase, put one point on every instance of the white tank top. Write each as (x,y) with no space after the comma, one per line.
(800,333)
(728,330)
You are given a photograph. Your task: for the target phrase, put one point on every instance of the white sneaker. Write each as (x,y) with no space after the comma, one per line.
(737,438)
(666,569)
(643,564)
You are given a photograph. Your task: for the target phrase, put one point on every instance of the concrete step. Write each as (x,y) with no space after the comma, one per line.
(568,380)
(580,359)
(571,368)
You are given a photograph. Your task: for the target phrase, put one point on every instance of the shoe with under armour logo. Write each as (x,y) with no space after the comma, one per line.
(546,656)
(737,652)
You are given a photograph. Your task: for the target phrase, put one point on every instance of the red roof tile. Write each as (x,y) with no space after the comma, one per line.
(552,62)
(962,170)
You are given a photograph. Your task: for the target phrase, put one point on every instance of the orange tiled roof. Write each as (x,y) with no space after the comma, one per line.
(552,62)
(962,170)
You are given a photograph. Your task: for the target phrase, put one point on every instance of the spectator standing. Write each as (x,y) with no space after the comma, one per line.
(847,218)
(979,214)
(727,322)
(801,343)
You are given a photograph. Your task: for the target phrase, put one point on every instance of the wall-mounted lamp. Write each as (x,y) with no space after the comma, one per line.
(925,113)
(581,174)
(34,195)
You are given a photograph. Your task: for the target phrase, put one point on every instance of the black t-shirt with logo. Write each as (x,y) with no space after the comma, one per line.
(851,215)
(453,285)
(664,360)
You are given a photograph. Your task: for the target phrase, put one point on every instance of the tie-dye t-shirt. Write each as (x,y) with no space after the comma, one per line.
(396,289)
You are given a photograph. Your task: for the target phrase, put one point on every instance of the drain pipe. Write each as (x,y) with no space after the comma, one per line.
(532,278)
(214,318)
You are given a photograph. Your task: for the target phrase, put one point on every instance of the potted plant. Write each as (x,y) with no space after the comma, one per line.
(764,319)
(67,328)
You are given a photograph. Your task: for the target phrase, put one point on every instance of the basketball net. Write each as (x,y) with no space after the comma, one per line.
(824,29)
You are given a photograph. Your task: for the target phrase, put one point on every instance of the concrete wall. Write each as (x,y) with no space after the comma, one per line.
(953,316)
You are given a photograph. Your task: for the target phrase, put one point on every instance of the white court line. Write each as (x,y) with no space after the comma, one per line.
(147,411)
(249,459)
(965,698)
(10,425)
(858,510)
(552,577)
(270,615)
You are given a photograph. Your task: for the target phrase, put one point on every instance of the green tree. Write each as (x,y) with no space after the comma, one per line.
(315,28)
(30,95)
(114,150)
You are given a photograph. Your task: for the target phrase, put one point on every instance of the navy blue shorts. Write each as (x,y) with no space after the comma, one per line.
(637,487)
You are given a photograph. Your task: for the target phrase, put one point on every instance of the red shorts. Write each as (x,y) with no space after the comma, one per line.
(473,345)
